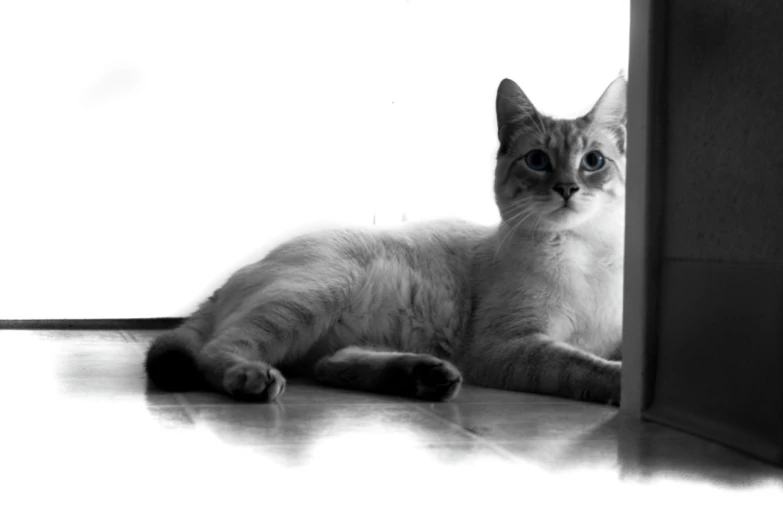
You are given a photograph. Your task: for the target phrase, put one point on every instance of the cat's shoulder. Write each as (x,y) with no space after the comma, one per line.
(446,229)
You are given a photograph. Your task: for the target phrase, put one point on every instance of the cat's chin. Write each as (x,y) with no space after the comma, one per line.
(565,218)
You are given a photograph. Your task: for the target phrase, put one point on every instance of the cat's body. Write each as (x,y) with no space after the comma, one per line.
(526,306)
(404,289)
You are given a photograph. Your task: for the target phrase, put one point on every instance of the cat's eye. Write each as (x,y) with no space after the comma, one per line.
(537,160)
(593,160)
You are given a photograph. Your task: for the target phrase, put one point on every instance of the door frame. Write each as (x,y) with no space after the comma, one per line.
(646,72)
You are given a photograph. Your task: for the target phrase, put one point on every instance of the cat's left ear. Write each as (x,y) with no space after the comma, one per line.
(610,109)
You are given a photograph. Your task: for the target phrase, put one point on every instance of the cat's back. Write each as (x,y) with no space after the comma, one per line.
(423,261)
(403,287)
(417,245)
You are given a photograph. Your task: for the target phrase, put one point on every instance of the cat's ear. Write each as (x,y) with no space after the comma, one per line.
(610,109)
(512,107)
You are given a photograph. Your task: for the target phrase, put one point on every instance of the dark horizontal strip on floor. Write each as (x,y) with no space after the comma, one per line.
(157,323)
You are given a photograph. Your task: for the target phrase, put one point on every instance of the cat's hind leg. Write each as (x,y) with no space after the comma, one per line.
(240,359)
(171,360)
(236,367)
(392,373)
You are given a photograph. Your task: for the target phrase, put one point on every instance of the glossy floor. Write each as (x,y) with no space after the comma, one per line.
(83,437)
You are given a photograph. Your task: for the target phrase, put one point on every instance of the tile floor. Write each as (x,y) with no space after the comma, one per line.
(83,438)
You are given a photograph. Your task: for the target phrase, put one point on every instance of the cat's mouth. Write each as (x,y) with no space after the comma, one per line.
(565,207)
(564,213)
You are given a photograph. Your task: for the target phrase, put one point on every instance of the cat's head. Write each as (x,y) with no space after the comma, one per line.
(554,174)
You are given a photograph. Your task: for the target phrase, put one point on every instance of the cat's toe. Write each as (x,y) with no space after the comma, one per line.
(254,382)
(436,380)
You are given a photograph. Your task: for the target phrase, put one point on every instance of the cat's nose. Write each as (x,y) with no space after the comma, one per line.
(566,189)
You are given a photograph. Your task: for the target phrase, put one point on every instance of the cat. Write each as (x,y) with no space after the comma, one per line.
(533,304)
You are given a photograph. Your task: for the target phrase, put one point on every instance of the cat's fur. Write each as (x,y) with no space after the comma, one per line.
(533,305)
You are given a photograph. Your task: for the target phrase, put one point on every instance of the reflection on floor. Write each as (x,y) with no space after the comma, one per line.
(83,437)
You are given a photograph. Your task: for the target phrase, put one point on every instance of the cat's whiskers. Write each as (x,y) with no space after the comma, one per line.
(518,207)
(502,240)
(522,216)
(523,207)
(521,204)
(535,227)
(510,233)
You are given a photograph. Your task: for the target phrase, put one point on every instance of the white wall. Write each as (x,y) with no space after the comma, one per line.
(149,148)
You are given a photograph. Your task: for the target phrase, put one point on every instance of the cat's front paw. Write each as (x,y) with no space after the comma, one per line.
(435,379)
(253,381)
(604,387)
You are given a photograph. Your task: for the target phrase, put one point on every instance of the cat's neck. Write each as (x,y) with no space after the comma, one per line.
(606,237)
(610,235)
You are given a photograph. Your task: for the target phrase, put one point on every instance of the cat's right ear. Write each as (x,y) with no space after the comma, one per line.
(513,107)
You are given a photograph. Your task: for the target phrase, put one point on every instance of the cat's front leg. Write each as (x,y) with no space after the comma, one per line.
(539,364)
(407,374)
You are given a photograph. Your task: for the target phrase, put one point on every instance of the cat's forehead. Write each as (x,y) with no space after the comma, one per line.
(566,136)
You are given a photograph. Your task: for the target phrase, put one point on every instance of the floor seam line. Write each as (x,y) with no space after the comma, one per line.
(476,438)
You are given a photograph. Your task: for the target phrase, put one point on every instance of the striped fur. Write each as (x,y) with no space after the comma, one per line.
(533,304)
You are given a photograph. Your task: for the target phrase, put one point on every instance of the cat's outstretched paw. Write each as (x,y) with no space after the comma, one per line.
(605,388)
(436,379)
(253,381)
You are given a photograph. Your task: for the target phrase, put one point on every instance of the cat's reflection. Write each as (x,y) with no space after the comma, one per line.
(363,434)
(265,429)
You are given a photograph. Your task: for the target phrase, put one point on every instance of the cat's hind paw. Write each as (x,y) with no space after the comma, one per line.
(253,381)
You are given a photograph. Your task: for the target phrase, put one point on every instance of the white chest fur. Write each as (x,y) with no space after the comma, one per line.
(584,295)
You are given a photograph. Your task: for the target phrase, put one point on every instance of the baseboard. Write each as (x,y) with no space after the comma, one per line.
(744,441)
(158,323)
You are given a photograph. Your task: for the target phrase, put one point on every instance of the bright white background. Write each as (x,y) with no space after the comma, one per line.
(150,148)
